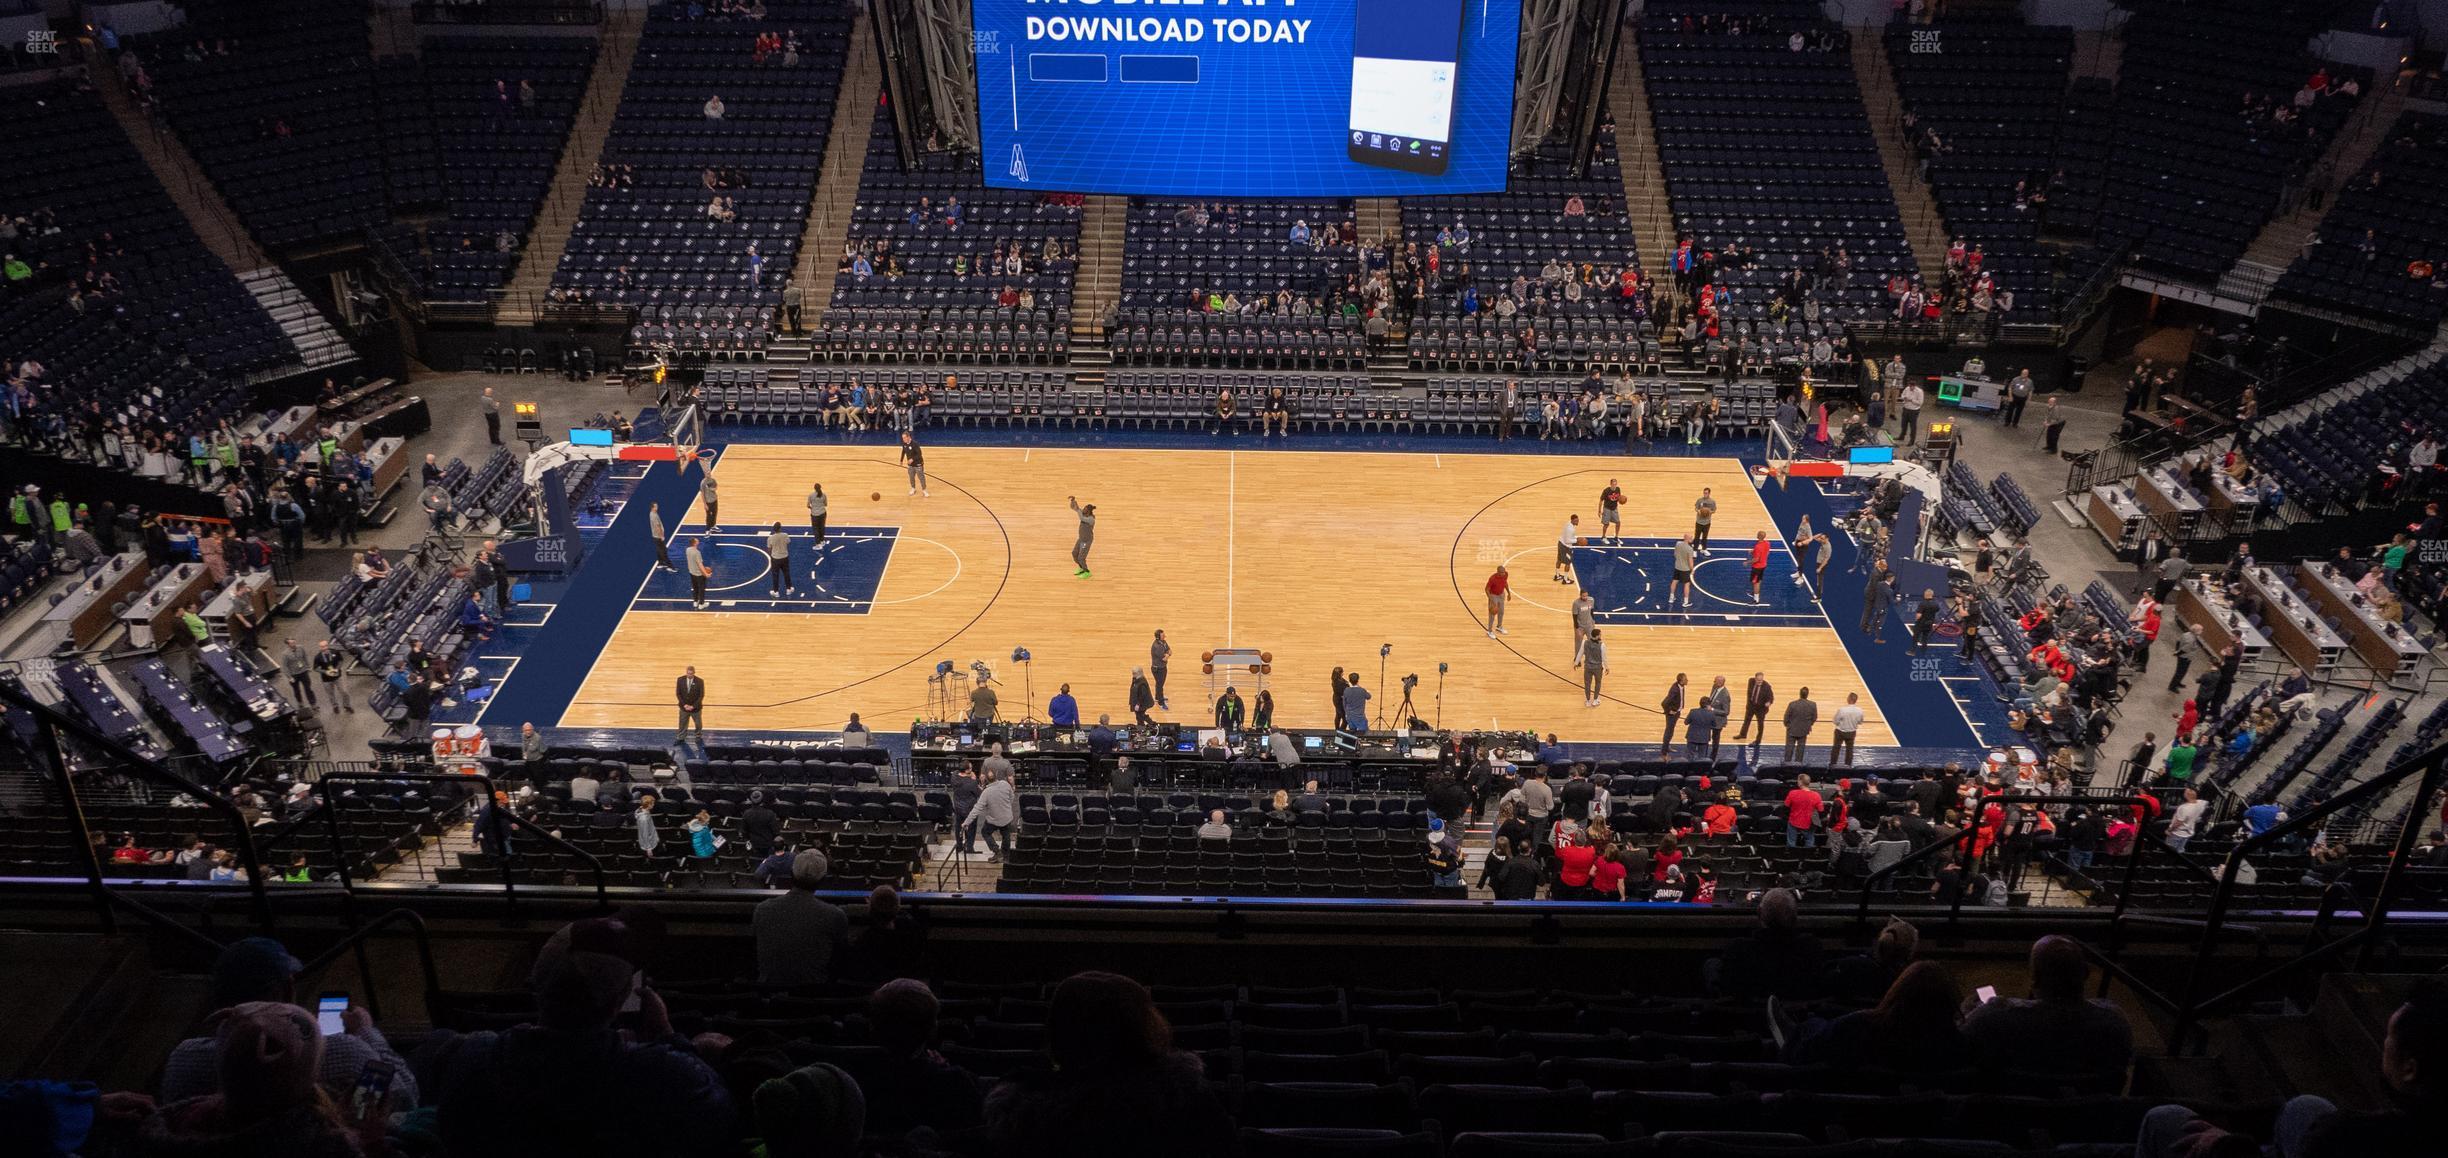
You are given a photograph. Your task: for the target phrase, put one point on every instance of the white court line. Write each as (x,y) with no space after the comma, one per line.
(1958,701)
(1232,483)
(498,684)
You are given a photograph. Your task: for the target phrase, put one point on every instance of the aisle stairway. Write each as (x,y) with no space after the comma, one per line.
(837,183)
(211,217)
(550,234)
(2283,239)
(309,332)
(1924,228)
(1097,286)
(1636,152)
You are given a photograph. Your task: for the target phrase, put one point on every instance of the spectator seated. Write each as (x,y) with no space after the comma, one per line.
(2210,129)
(701,110)
(2382,252)
(988,271)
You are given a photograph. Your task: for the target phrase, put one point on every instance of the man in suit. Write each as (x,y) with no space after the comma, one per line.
(1700,728)
(691,691)
(1801,715)
(1757,697)
(1672,708)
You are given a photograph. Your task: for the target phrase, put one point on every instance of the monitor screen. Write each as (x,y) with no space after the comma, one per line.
(1871,454)
(588,436)
(1326,98)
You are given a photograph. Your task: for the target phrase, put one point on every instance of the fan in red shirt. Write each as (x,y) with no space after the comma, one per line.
(1801,809)
(1607,875)
(1573,865)
(1669,854)
(1499,588)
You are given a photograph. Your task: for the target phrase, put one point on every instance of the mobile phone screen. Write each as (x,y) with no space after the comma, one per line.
(1404,57)
(1987,993)
(328,1009)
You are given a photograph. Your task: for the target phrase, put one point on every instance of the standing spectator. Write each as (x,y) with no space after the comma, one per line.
(798,935)
(329,663)
(1801,715)
(2186,820)
(492,415)
(1758,697)
(1847,723)
(298,667)
(996,812)
(1802,814)
(698,572)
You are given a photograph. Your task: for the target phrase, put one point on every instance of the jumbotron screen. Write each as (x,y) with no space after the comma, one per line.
(1246,98)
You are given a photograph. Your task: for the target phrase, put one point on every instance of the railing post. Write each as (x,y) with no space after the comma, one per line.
(84,834)
(348,900)
(2395,869)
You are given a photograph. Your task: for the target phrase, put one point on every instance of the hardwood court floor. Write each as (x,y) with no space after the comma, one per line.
(1316,557)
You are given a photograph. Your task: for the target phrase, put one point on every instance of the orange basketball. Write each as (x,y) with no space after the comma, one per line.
(1206,657)
(1266,657)
(1581,541)
(875,496)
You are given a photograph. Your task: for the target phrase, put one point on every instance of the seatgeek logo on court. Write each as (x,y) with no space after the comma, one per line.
(1151,29)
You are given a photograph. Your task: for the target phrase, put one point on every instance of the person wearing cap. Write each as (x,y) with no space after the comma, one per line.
(264,1099)
(759,824)
(574,1082)
(260,969)
(798,936)
(1444,856)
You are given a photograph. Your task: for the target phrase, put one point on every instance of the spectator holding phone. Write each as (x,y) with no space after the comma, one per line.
(260,969)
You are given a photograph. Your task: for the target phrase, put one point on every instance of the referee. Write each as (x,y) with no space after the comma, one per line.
(1087,535)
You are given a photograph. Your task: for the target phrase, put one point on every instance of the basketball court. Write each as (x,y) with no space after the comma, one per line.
(1317,558)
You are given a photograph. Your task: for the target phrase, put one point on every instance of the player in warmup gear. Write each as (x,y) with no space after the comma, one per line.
(1610,511)
(913,462)
(1499,592)
(1704,509)
(1564,549)
(1685,558)
(1759,564)
(1087,535)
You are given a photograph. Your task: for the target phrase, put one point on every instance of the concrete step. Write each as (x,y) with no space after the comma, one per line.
(1924,228)
(2282,240)
(198,201)
(837,180)
(549,236)
(1097,285)
(1646,199)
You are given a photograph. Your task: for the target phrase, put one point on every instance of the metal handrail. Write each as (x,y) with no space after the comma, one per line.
(355,942)
(603,897)
(2429,765)
(50,721)
(1861,914)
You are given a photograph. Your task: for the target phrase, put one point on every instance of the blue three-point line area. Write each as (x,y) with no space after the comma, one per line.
(838,577)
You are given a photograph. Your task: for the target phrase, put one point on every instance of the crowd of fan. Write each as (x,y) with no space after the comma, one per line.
(604,1059)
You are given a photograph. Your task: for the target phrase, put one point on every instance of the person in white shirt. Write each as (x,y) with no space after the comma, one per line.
(1564,549)
(1912,398)
(1848,721)
(714,108)
(2187,819)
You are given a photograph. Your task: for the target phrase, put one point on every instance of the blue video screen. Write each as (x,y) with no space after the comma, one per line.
(1246,98)
(588,436)
(1871,454)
